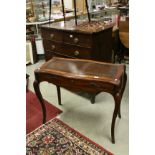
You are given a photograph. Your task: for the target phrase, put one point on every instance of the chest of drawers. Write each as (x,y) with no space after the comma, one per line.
(63,40)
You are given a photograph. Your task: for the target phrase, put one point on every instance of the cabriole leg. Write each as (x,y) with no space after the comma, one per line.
(122,91)
(38,93)
(117,99)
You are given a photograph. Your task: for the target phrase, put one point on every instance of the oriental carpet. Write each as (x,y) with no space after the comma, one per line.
(57,138)
(34,114)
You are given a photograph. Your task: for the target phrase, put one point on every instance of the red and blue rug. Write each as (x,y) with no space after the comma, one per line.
(34,114)
(57,138)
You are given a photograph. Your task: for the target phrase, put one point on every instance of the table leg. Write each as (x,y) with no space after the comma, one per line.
(119,112)
(117,99)
(38,93)
(59,95)
(122,91)
(92,98)
(27,82)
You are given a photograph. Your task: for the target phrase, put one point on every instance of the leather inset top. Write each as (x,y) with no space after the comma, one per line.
(88,69)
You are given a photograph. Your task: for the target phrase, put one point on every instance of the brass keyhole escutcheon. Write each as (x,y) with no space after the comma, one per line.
(52,36)
(53,47)
(76,40)
(76,53)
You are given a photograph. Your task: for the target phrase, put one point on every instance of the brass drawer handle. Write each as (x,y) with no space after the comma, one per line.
(76,53)
(53,47)
(52,36)
(76,40)
(71,36)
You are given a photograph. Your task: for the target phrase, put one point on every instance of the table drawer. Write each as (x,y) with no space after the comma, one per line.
(78,39)
(85,85)
(79,84)
(52,35)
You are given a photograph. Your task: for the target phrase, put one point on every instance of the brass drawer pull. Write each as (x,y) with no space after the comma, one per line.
(76,40)
(53,47)
(71,36)
(76,53)
(52,36)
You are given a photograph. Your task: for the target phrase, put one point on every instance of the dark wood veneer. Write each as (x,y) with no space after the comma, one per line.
(84,75)
(70,42)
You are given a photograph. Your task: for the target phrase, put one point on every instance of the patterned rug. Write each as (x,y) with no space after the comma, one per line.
(57,138)
(34,114)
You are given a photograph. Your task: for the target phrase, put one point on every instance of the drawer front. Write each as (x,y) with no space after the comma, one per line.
(76,52)
(66,50)
(51,54)
(69,53)
(52,46)
(77,84)
(88,86)
(83,40)
(52,35)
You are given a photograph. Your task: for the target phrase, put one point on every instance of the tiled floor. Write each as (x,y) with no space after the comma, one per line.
(92,120)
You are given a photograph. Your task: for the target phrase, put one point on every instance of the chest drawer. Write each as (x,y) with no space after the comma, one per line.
(69,52)
(52,35)
(78,39)
(76,51)
(52,45)
(51,54)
